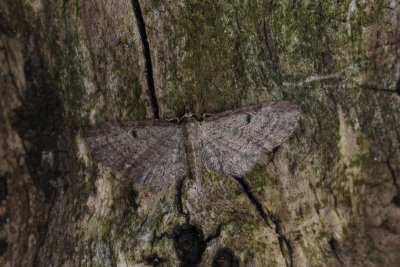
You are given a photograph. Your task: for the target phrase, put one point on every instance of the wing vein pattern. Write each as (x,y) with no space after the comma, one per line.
(152,154)
(236,140)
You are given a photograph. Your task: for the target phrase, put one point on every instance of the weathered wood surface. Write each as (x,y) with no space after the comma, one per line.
(327,197)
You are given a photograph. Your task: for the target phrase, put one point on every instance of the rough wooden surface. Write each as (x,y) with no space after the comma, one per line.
(328,197)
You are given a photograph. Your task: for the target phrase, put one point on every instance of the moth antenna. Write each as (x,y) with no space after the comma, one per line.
(186,115)
(206,115)
(174,120)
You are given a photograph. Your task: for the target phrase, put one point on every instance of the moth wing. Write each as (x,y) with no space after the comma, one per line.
(233,141)
(150,152)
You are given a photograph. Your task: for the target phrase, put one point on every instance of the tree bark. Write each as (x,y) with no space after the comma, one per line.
(329,196)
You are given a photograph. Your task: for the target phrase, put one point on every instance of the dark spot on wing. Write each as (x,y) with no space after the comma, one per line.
(133,133)
(248,118)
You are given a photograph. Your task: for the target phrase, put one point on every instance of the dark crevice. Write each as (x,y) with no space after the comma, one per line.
(387,226)
(334,247)
(178,200)
(215,235)
(154,260)
(3,187)
(12,76)
(41,123)
(246,189)
(3,247)
(393,175)
(43,230)
(131,199)
(286,249)
(189,244)
(147,57)
(380,90)
(6,26)
(157,238)
(284,243)
(225,258)
(396,200)
(398,87)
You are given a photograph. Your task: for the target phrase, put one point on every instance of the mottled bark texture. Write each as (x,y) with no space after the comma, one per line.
(329,196)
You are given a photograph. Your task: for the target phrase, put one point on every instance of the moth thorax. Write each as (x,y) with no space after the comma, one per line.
(191,121)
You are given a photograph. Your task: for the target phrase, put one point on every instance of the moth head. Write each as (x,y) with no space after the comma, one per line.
(188,117)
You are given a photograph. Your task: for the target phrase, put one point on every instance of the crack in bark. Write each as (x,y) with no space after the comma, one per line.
(380,90)
(396,198)
(6,25)
(393,175)
(157,238)
(215,235)
(334,247)
(178,200)
(147,57)
(284,243)
(154,260)
(246,189)
(42,236)
(270,44)
(13,80)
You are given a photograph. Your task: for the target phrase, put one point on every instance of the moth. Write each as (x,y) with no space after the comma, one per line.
(157,153)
